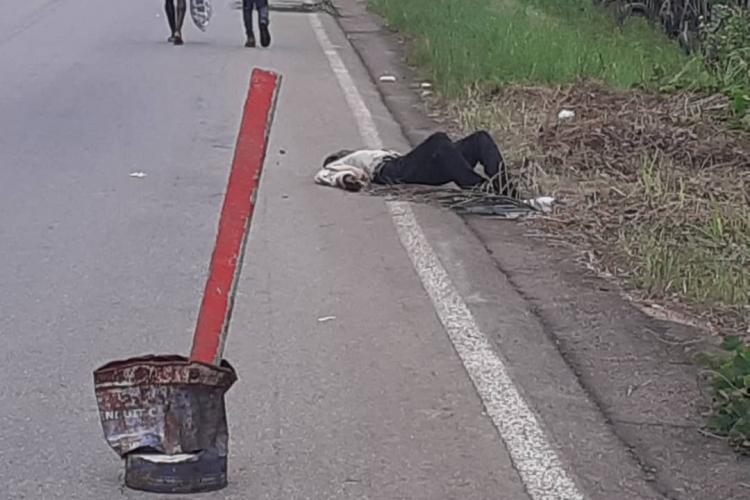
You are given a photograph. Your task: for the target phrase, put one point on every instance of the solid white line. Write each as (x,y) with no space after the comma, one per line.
(535,459)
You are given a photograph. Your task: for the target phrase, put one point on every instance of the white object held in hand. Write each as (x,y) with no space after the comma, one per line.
(200,11)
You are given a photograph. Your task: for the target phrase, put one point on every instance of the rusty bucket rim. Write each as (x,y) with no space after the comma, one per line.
(162,359)
(170,369)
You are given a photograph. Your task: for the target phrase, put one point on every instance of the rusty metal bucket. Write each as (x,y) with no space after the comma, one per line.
(165,416)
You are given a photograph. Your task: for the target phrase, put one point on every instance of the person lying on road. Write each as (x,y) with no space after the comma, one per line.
(436,161)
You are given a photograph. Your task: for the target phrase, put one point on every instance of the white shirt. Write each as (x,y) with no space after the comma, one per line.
(362,164)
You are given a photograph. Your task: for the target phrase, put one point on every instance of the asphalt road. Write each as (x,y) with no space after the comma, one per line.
(99,265)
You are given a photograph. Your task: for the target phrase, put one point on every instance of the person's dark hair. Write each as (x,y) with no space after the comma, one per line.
(336,156)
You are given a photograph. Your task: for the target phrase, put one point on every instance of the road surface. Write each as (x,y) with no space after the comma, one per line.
(372,402)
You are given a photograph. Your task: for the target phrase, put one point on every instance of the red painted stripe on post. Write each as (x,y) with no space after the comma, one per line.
(236,214)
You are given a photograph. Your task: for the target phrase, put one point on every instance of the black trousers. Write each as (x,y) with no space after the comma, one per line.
(175,17)
(247,14)
(438,160)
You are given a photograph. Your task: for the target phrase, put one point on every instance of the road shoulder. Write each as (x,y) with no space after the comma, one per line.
(615,388)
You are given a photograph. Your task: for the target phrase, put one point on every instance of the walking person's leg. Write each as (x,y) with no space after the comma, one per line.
(479,147)
(169,9)
(180,11)
(247,18)
(264,20)
(434,162)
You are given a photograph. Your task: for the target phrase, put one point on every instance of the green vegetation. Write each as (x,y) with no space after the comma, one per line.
(495,42)
(730,377)
(686,245)
(726,45)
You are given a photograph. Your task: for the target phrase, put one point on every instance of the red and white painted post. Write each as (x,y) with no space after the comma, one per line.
(165,415)
(234,225)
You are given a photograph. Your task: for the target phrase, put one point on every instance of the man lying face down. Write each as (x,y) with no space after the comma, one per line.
(436,161)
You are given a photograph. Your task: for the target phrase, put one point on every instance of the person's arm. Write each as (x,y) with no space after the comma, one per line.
(342,176)
(326,177)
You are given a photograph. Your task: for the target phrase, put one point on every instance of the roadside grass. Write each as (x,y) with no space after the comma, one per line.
(684,244)
(496,42)
(729,373)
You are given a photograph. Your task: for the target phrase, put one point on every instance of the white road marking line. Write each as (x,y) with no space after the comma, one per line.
(535,459)
(366,125)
